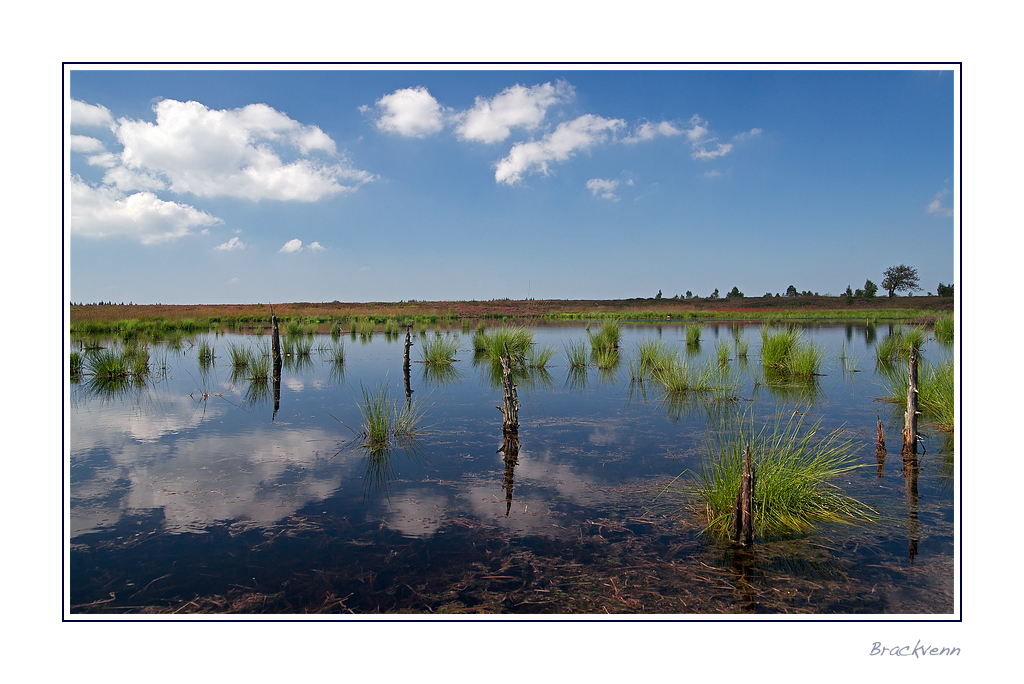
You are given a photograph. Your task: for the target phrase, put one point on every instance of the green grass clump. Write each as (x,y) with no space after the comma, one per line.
(493,344)
(784,353)
(794,470)
(206,351)
(539,357)
(336,353)
(742,347)
(75,363)
(693,332)
(384,420)
(109,364)
(678,376)
(935,391)
(897,345)
(944,329)
(607,338)
(302,346)
(650,356)
(240,356)
(605,358)
(576,353)
(722,352)
(439,350)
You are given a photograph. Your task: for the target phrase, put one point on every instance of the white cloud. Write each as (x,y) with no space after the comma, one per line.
(606,188)
(233,243)
(516,106)
(935,207)
(315,247)
(291,246)
(126,180)
(104,159)
(84,114)
(85,144)
(559,145)
(712,174)
(649,131)
(98,212)
(747,135)
(235,153)
(232,281)
(703,153)
(410,111)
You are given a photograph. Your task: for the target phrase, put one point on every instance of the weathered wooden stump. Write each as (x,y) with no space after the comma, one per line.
(880,452)
(743,513)
(910,418)
(510,404)
(405,365)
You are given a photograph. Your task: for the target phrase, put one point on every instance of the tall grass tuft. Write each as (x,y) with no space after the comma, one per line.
(678,376)
(607,338)
(493,344)
(785,354)
(650,356)
(205,352)
(944,329)
(897,345)
(336,354)
(539,357)
(722,352)
(576,353)
(794,472)
(384,420)
(439,350)
(693,331)
(935,391)
(75,364)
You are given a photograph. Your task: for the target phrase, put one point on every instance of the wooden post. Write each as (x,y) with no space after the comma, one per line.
(880,452)
(405,365)
(276,338)
(743,513)
(910,419)
(510,404)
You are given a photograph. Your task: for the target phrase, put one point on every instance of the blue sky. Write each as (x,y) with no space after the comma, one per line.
(253,186)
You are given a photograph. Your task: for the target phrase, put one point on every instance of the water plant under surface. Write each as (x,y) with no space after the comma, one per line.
(795,469)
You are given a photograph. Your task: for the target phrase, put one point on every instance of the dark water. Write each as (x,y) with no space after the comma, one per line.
(191,494)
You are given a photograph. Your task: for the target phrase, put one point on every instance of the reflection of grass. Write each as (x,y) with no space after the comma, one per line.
(794,469)
(441,373)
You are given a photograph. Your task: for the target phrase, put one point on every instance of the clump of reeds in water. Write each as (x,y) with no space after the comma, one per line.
(206,352)
(679,376)
(693,332)
(742,347)
(784,352)
(539,356)
(576,353)
(650,356)
(336,353)
(722,352)
(944,329)
(606,338)
(336,329)
(492,344)
(795,468)
(385,421)
(935,391)
(897,345)
(439,350)
(75,364)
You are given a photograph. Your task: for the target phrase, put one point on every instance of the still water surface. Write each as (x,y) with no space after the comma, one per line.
(191,494)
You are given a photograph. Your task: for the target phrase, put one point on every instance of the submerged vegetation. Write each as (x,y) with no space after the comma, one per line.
(794,473)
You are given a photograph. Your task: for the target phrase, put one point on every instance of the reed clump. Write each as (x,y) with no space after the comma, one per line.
(493,344)
(605,339)
(898,344)
(795,468)
(679,376)
(650,356)
(439,350)
(944,329)
(539,356)
(576,353)
(693,333)
(935,391)
(385,421)
(783,352)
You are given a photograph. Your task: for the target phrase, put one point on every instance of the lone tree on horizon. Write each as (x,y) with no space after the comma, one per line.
(900,277)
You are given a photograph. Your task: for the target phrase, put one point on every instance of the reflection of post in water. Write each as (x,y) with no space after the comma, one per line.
(276,337)
(405,364)
(880,452)
(510,449)
(910,471)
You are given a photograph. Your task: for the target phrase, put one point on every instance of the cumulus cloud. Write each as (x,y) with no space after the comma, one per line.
(98,212)
(712,174)
(233,243)
(411,112)
(235,153)
(747,135)
(294,245)
(84,114)
(515,107)
(704,153)
(559,145)
(649,131)
(935,207)
(126,180)
(86,144)
(315,247)
(602,187)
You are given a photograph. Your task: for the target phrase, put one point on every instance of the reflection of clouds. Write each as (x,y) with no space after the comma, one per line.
(293,383)
(92,427)
(262,476)
(416,512)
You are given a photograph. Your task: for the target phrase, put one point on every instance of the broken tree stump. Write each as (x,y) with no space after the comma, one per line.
(510,404)
(910,418)
(743,513)
(276,338)
(405,365)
